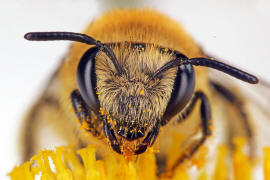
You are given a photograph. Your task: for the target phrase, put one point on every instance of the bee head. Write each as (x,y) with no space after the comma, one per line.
(133,104)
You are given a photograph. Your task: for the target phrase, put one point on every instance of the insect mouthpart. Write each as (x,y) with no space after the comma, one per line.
(130,143)
(132,134)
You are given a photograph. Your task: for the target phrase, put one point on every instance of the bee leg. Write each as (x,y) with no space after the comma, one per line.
(238,105)
(205,113)
(84,114)
(42,118)
(28,135)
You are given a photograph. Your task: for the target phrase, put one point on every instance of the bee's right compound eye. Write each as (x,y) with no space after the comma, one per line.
(182,90)
(86,79)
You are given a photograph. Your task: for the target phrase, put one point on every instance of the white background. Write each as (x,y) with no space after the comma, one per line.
(233,30)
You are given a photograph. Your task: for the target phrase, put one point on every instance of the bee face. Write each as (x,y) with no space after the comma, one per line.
(132,105)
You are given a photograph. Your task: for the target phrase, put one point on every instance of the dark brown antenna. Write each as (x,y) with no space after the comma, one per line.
(230,70)
(71,36)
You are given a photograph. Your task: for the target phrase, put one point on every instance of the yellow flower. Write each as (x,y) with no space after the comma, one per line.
(67,164)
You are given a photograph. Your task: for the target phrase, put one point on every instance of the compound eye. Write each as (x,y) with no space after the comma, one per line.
(86,79)
(182,91)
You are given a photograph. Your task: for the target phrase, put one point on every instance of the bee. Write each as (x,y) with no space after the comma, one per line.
(127,79)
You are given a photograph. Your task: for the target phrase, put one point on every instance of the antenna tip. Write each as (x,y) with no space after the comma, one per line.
(28,36)
(254,80)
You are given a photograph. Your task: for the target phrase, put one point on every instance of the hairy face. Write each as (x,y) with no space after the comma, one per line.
(133,103)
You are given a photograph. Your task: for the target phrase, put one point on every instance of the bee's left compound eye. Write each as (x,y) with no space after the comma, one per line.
(182,90)
(86,79)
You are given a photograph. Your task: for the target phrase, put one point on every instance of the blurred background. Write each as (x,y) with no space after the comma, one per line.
(236,31)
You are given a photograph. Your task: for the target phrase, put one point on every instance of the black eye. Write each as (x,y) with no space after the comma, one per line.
(182,90)
(86,79)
